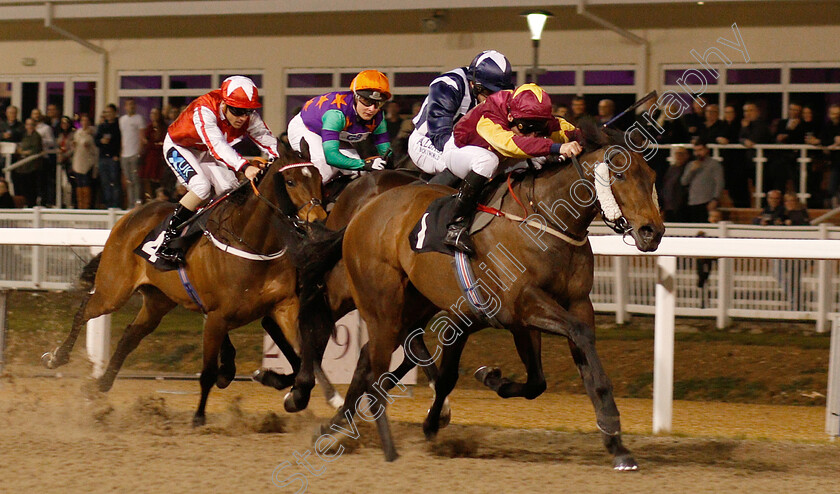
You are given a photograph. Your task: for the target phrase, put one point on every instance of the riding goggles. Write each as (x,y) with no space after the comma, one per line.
(532,126)
(239,112)
(365,101)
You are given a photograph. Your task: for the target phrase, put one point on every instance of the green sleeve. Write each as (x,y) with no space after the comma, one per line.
(385,146)
(334,120)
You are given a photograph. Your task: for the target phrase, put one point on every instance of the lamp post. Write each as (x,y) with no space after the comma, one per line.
(536,23)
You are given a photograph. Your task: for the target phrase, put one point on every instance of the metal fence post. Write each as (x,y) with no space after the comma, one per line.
(36,249)
(724,283)
(2,330)
(621,289)
(759,176)
(823,286)
(832,402)
(663,344)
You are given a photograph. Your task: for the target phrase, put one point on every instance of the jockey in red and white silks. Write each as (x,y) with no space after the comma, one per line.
(199,148)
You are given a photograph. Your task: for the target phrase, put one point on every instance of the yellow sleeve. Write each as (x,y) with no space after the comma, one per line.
(500,138)
(560,135)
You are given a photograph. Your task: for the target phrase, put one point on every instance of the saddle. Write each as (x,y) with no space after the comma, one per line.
(427,235)
(151,242)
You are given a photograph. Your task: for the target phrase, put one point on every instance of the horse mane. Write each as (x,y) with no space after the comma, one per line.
(595,137)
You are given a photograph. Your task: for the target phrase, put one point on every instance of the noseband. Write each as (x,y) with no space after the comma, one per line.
(620,225)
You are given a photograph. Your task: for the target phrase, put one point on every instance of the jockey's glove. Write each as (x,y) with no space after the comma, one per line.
(259,162)
(374,163)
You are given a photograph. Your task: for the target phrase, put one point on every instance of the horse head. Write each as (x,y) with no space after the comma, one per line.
(297,186)
(624,186)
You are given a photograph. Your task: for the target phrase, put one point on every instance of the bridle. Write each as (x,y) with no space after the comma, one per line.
(619,225)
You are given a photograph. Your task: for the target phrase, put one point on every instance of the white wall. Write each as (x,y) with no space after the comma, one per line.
(274,54)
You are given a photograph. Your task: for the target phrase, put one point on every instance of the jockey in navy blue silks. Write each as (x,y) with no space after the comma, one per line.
(451,96)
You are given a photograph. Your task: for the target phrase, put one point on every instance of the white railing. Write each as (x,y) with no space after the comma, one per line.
(666,288)
(7,151)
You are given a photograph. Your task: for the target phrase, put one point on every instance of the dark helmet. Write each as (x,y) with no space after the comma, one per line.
(491,70)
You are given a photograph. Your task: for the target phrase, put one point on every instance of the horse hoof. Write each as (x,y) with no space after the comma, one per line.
(391,456)
(336,401)
(429,431)
(199,421)
(51,361)
(223,381)
(258,376)
(484,372)
(625,463)
(444,420)
(289,403)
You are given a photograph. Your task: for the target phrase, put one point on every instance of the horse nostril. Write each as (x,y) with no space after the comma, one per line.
(647,231)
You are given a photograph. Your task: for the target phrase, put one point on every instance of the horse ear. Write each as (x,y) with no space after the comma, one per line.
(304,150)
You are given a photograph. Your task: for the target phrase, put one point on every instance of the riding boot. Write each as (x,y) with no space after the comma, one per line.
(457,232)
(173,230)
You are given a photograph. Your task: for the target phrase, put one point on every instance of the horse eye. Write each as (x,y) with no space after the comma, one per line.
(619,176)
(290,183)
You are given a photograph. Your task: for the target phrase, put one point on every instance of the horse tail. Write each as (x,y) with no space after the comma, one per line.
(88,275)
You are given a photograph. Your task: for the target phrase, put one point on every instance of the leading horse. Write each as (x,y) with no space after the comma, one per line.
(548,279)
(230,290)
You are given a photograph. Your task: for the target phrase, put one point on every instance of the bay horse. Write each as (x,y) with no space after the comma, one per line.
(394,288)
(230,290)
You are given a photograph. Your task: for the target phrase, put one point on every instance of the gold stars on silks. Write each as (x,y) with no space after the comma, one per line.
(323,99)
(306,105)
(338,101)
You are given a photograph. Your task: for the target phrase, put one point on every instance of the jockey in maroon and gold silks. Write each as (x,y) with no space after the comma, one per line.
(488,126)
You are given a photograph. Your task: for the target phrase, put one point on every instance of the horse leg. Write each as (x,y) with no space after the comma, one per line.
(444,385)
(332,396)
(268,377)
(357,388)
(99,302)
(622,458)
(539,311)
(227,367)
(155,306)
(528,344)
(316,325)
(215,330)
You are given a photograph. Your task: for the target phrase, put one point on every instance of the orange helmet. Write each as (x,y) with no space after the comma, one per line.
(530,102)
(371,84)
(240,92)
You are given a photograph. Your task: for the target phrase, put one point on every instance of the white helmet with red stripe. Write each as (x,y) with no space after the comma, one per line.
(240,92)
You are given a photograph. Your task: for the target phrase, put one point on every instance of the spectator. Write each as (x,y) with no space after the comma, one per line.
(64,142)
(715,216)
(773,212)
(151,172)
(108,140)
(132,128)
(673,191)
(46,175)
(53,118)
(712,127)
(692,122)
(754,131)
(560,110)
(794,212)
(606,111)
(172,114)
(735,164)
(579,115)
(781,165)
(26,177)
(85,155)
(11,129)
(810,126)
(6,199)
(652,123)
(392,118)
(704,178)
(830,137)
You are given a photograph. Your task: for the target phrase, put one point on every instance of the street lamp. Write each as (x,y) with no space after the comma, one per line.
(536,23)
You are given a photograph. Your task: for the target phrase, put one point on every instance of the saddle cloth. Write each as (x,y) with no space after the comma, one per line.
(151,242)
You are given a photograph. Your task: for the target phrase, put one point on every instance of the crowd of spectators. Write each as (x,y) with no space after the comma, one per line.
(688,182)
(116,163)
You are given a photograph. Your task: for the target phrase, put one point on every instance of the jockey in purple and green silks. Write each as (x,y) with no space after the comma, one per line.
(344,116)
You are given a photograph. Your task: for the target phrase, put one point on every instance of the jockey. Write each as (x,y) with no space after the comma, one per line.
(510,126)
(451,96)
(344,117)
(199,149)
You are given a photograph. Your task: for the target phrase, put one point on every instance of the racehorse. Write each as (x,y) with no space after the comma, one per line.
(547,287)
(231,290)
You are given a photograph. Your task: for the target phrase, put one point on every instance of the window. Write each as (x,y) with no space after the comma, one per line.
(176,89)
(753,76)
(609,77)
(815,75)
(324,80)
(557,78)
